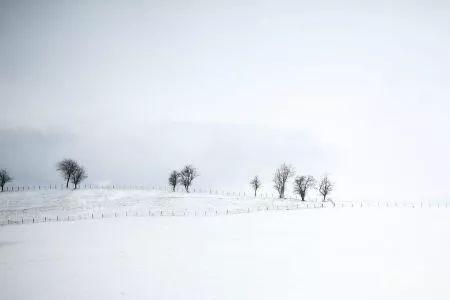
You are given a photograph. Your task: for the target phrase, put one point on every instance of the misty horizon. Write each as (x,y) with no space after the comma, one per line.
(358,91)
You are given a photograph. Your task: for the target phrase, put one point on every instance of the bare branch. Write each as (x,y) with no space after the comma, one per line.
(78,176)
(67,168)
(187,175)
(173,179)
(255,183)
(4,178)
(302,184)
(325,187)
(282,175)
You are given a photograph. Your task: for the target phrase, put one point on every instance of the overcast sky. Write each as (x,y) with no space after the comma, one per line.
(357,90)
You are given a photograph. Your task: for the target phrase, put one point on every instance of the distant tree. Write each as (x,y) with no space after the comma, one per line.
(282,175)
(302,184)
(67,168)
(325,187)
(173,179)
(187,175)
(256,184)
(4,178)
(78,176)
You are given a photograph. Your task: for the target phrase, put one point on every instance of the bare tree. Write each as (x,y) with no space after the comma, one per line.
(78,176)
(302,184)
(173,179)
(282,175)
(187,175)
(255,183)
(4,178)
(67,168)
(325,187)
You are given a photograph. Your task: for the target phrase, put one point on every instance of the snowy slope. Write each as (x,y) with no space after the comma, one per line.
(303,254)
(50,204)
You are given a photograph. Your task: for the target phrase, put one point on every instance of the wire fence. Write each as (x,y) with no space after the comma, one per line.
(27,219)
(159,188)
(22,216)
(210,212)
(47,187)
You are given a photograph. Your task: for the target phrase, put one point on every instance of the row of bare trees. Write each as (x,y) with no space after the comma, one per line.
(302,183)
(73,172)
(69,169)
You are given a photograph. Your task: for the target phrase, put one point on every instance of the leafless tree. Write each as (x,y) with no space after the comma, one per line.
(325,187)
(78,176)
(255,183)
(302,184)
(173,179)
(4,178)
(282,175)
(187,175)
(67,168)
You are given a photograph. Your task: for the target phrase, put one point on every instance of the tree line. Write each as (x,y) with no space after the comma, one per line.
(72,172)
(302,183)
(69,169)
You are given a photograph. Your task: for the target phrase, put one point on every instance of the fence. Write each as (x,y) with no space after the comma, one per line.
(161,188)
(23,217)
(10,220)
(24,188)
(155,213)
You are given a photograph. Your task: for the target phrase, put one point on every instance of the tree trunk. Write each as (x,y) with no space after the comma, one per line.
(67,183)
(2,188)
(255,192)
(173,188)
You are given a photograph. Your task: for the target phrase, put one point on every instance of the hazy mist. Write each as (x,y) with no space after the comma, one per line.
(358,90)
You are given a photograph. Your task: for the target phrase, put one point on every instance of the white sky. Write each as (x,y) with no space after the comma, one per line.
(355,89)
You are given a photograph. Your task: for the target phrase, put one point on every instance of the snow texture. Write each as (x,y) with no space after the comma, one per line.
(332,253)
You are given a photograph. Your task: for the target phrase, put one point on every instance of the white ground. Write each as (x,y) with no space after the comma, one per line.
(349,253)
(50,204)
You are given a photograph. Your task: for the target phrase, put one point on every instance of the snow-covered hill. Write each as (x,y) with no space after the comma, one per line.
(94,203)
(311,254)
